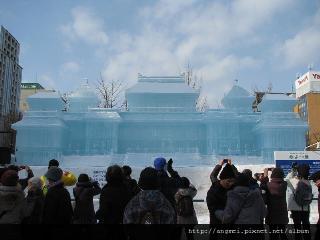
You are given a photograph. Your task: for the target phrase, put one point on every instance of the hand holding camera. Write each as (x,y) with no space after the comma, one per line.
(226,160)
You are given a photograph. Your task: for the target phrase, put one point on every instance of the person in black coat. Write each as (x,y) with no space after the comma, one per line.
(217,194)
(168,185)
(114,197)
(57,204)
(131,183)
(84,192)
(275,199)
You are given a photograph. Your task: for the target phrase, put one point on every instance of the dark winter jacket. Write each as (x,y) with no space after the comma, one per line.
(83,193)
(216,200)
(12,205)
(133,186)
(244,206)
(169,185)
(57,205)
(113,200)
(186,192)
(34,208)
(275,199)
(149,200)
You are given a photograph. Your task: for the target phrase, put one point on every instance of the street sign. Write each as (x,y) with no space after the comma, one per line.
(285,159)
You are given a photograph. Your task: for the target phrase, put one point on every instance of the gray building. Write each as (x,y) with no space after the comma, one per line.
(10,81)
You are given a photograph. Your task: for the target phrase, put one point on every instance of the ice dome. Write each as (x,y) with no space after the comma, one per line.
(162,94)
(238,99)
(82,99)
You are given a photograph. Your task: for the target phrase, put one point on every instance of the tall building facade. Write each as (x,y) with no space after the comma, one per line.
(10,81)
(308,107)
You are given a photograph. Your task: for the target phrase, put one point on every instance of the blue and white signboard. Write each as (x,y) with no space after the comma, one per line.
(285,159)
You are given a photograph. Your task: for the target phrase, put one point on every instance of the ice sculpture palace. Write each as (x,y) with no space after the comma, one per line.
(161,119)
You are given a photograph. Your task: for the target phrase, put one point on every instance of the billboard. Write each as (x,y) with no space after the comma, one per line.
(285,159)
(309,82)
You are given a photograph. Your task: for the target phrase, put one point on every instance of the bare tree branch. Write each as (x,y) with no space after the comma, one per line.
(194,82)
(110,92)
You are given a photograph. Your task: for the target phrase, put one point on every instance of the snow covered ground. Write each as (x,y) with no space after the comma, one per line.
(198,175)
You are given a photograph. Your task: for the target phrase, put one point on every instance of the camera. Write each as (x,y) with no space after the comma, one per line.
(270,169)
(225,160)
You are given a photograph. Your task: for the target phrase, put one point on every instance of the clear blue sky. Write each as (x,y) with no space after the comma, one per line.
(257,42)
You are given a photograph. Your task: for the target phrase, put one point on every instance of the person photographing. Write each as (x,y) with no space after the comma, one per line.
(68,178)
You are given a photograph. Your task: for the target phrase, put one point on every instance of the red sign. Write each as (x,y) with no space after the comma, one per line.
(305,79)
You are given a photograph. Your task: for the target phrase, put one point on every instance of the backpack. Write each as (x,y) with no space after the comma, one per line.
(185,207)
(303,193)
(150,217)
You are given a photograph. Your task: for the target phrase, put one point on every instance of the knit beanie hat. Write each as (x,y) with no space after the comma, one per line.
(159,163)
(53,163)
(54,174)
(83,178)
(35,182)
(149,179)
(242,180)
(277,173)
(226,172)
(247,172)
(10,178)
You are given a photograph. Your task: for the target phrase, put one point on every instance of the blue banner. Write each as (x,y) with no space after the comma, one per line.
(286,165)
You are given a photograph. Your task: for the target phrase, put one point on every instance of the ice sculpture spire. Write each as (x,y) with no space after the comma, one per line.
(238,99)
(83,98)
